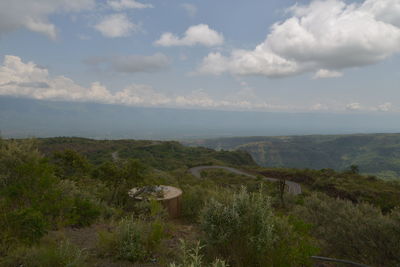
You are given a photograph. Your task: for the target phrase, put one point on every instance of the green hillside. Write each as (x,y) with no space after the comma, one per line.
(377,154)
(163,155)
(67,202)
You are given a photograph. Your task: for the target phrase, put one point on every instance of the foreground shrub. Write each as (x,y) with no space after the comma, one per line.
(134,239)
(131,240)
(49,255)
(79,207)
(247,233)
(195,198)
(350,231)
(193,201)
(191,257)
(33,200)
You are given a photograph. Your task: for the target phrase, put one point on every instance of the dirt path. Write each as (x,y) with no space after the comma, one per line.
(293,188)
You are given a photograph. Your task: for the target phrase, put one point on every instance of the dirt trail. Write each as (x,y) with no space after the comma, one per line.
(293,188)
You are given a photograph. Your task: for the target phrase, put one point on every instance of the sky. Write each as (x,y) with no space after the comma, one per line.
(278,55)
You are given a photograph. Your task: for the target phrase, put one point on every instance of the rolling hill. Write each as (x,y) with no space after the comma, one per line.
(377,154)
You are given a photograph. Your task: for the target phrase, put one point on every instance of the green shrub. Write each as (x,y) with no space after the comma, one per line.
(191,257)
(195,197)
(247,233)
(350,231)
(132,240)
(70,164)
(86,212)
(120,177)
(77,207)
(33,200)
(27,225)
(193,200)
(63,254)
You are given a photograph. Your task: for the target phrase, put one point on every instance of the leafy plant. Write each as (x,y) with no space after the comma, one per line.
(353,231)
(247,233)
(191,257)
(47,255)
(132,240)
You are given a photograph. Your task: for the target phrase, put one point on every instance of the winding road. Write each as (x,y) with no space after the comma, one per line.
(293,188)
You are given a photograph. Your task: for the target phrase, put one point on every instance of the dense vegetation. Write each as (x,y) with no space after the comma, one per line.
(348,185)
(64,202)
(376,154)
(161,155)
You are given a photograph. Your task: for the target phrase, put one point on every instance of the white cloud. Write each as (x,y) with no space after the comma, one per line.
(195,35)
(140,94)
(385,107)
(318,107)
(18,78)
(131,63)
(34,14)
(323,73)
(116,25)
(191,9)
(26,79)
(119,5)
(197,98)
(327,35)
(353,106)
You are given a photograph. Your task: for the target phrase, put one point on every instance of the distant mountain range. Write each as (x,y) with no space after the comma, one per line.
(26,118)
(377,154)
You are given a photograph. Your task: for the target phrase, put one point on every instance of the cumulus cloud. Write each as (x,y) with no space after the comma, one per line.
(323,37)
(195,35)
(131,63)
(353,106)
(26,79)
(116,25)
(323,73)
(18,78)
(34,14)
(190,9)
(119,5)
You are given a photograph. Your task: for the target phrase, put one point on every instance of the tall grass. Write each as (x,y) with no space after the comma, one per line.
(47,255)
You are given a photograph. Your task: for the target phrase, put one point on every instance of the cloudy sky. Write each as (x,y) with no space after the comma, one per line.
(278,55)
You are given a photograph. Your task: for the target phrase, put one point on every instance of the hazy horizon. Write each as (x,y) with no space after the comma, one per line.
(21,117)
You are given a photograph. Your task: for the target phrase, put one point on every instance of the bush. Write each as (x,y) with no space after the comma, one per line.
(193,200)
(49,255)
(132,239)
(120,177)
(350,231)
(78,207)
(247,233)
(33,200)
(27,225)
(191,257)
(70,164)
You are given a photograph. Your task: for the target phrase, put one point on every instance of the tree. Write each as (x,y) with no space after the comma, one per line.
(282,187)
(121,176)
(354,169)
(70,164)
